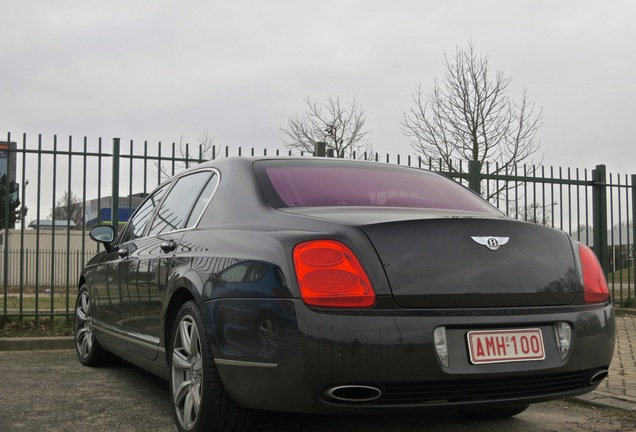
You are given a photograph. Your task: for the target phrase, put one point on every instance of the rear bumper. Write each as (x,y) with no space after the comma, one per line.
(377,360)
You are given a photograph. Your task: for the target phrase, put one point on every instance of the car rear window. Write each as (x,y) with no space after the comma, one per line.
(298,183)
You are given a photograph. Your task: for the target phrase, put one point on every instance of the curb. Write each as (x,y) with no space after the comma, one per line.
(37,343)
(625,311)
(604,399)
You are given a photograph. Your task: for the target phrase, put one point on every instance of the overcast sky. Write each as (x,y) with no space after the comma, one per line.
(158,70)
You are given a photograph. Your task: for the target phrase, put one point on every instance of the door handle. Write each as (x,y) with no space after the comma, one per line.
(123,253)
(168,246)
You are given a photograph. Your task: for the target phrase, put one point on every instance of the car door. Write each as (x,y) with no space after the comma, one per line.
(149,260)
(114,284)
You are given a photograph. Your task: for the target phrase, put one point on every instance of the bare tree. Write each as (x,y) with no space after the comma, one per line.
(469,116)
(340,128)
(187,155)
(69,208)
(535,212)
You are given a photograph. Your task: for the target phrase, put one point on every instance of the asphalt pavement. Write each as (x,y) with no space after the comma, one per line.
(49,391)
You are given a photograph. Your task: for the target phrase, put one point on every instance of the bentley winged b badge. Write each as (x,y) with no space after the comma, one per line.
(492,243)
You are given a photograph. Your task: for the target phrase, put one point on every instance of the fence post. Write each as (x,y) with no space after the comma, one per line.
(633,224)
(474,181)
(5,243)
(114,211)
(599,215)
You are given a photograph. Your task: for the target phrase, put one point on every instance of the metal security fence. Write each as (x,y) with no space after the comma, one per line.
(70,186)
(30,268)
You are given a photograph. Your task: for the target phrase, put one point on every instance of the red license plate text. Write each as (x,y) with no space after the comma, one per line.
(498,346)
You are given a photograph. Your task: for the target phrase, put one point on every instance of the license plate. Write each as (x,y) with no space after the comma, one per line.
(499,346)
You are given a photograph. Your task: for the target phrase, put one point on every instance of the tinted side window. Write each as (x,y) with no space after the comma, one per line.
(176,207)
(202,201)
(137,224)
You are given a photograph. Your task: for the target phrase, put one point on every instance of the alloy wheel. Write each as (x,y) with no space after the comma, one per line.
(83,325)
(187,372)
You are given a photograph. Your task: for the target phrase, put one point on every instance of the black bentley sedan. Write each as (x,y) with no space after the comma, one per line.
(331,286)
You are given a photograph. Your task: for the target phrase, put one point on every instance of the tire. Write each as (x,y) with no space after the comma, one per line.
(199,400)
(493,413)
(89,351)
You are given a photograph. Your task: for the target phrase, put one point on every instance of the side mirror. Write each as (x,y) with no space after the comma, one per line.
(104,234)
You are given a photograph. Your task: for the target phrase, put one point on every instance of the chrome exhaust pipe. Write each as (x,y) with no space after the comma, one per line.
(596,376)
(353,393)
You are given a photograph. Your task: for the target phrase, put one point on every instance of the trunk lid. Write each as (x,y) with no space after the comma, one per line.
(448,263)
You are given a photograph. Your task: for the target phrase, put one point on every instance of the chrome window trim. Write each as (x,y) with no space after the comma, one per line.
(174,180)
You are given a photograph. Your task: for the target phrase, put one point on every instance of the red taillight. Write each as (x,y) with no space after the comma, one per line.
(330,275)
(594,283)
